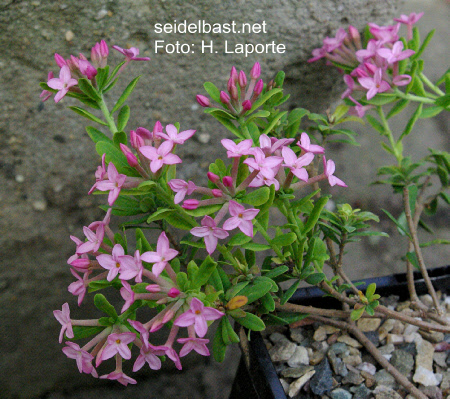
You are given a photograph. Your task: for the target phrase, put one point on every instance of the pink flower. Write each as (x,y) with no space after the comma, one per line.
(305,145)
(64,318)
(162,256)
(120,376)
(410,19)
(172,355)
(296,165)
(45,94)
(396,53)
(374,85)
(267,167)
(78,287)
(385,34)
(181,188)
(100,174)
(237,150)
(270,144)
(332,43)
(113,184)
(131,54)
(197,344)
(139,327)
(241,218)
(150,355)
(210,232)
(203,100)
(369,52)
(63,83)
(112,262)
(198,315)
(175,137)
(160,156)
(401,80)
(127,294)
(117,343)
(99,54)
(83,358)
(328,169)
(94,240)
(131,267)
(87,69)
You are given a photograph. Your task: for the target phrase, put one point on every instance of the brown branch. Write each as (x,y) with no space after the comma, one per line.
(371,348)
(415,241)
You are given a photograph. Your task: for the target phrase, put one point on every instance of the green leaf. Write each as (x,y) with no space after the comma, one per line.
(235,289)
(424,45)
(230,126)
(204,272)
(381,99)
(80,332)
(256,291)
(315,278)
(86,87)
(219,112)
(88,115)
(376,124)
(284,240)
(101,303)
(261,100)
(434,242)
(357,313)
(160,214)
(213,91)
(402,229)
(174,220)
(102,76)
(219,347)
(258,197)
(204,210)
(276,272)
(129,89)
(283,318)
(119,137)
(251,322)
(289,292)
(370,291)
(239,239)
(114,155)
(232,336)
(96,135)
(122,118)
(443,101)
(429,112)
(273,122)
(144,242)
(268,302)
(411,122)
(216,281)
(397,108)
(253,246)
(315,214)
(182,280)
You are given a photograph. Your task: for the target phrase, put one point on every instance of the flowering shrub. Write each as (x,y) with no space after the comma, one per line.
(204,265)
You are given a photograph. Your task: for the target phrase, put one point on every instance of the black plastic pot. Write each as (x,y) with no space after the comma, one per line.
(260,380)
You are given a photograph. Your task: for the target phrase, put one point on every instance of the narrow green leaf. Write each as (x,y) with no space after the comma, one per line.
(114,155)
(424,45)
(235,289)
(276,272)
(253,246)
(219,347)
(284,240)
(273,122)
(411,122)
(434,242)
(315,214)
(122,118)
(357,313)
(429,112)
(96,135)
(258,197)
(315,278)
(119,137)
(102,76)
(129,89)
(239,239)
(204,272)
(230,126)
(86,87)
(256,291)
(160,214)
(174,220)
(289,292)
(283,318)
(261,100)
(370,291)
(397,108)
(376,124)
(400,227)
(213,91)
(268,302)
(80,332)
(233,337)
(87,115)
(101,303)
(381,99)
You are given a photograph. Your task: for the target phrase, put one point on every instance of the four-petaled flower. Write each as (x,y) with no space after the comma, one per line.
(83,358)
(150,355)
(131,54)
(120,376)
(113,184)
(198,315)
(305,145)
(63,83)
(296,165)
(374,85)
(396,53)
(112,262)
(64,318)
(162,256)
(328,169)
(181,188)
(117,343)
(210,232)
(160,156)
(241,218)
(237,150)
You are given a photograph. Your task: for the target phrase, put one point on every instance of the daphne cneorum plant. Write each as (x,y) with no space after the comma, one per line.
(204,267)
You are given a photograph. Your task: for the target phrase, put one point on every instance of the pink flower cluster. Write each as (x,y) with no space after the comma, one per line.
(75,68)
(374,69)
(270,163)
(181,308)
(241,94)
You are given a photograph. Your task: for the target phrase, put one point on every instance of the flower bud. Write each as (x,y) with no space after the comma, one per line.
(259,87)
(157,325)
(355,36)
(213,177)
(190,204)
(157,129)
(60,61)
(144,133)
(174,292)
(224,97)
(234,74)
(99,54)
(255,73)
(242,80)
(227,181)
(203,100)
(217,193)
(247,105)
(87,69)
(136,140)
(153,288)
(370,67)
(131,158)
(168,316)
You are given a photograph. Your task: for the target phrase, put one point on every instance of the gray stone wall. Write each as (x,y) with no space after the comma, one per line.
(47,161)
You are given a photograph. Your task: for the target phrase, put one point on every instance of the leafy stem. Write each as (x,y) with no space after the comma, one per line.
(388,132)
(430,84)
(108,117)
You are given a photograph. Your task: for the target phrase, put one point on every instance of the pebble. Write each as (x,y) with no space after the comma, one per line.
(402,361)
(20,178)
(425,377)
(285,385)
(395,339)
(276,337)
(339,348)
(367,324)
(384,392)
(361,392)
(296,335)
(352,360)
(204,138)
(294,388)
(445,384)
(69,35)
(410,329)
(425,352)
(322,380)
(367,367)
(316,358)
(299,357)
(434,336)
(432,392)
(40,205)
(282,351)
(385,379)
(370,379)
(337,364)
(320,334)
(101,14)
(353,378)
(349,341)
(386,349)
(439,358)
(340,393)
(296,372)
